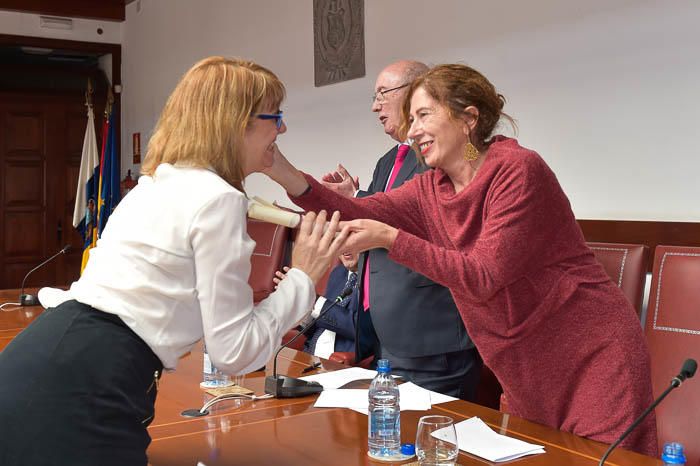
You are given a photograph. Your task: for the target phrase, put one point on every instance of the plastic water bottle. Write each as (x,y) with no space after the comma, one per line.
(673,454)
(211,376)
(384,429)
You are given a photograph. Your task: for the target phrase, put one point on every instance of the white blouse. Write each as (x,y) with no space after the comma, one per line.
(173,263)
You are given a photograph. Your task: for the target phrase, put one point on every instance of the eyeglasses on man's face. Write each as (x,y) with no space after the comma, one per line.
(271,116)
(380,96)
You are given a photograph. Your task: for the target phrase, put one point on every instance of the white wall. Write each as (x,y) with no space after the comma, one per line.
(605,91)
(27,24)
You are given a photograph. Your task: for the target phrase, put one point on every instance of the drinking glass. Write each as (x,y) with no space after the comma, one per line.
(436,441)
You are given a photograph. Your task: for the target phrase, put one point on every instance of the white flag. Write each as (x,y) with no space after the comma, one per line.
(88,177)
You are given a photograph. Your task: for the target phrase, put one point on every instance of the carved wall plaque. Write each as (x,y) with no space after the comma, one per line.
(339,41)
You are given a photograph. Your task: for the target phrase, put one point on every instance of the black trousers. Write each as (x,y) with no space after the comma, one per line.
(77,387)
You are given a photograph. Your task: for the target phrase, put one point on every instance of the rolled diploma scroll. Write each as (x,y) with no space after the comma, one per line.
(273,215)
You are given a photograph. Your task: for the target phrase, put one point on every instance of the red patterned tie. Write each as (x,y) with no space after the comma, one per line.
(398,163)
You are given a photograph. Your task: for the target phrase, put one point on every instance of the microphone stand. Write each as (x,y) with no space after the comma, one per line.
(687,371)
(281,386)
(31,300)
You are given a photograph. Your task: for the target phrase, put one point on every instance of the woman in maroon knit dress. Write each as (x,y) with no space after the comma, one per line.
(492,223)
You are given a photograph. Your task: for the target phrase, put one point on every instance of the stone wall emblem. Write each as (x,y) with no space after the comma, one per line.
(339,41)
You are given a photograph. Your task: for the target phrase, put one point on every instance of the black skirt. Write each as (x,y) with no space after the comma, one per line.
(77,387)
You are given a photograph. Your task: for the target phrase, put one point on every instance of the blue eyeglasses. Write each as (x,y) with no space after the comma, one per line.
(271,116)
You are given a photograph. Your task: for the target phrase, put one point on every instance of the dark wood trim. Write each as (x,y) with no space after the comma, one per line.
(110,10)
(104,48)
(97,47)
(650,233)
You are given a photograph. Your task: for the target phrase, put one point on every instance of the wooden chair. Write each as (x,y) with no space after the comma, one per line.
(673,334)
(626,264)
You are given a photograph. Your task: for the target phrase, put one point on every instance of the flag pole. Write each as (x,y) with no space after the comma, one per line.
(88,93)
(110,102)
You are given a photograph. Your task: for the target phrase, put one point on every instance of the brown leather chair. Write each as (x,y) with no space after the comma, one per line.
(626,264)
(673,334)
(268,256)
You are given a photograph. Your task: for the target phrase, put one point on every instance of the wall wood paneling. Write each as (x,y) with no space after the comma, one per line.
(110,10)
(650,233)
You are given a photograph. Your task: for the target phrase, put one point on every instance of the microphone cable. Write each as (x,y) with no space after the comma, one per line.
(10,304)
(687,371)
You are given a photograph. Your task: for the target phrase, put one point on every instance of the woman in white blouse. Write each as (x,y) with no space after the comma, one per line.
(79,384)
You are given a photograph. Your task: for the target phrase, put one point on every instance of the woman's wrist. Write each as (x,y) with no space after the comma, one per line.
(390,237)
(295,184)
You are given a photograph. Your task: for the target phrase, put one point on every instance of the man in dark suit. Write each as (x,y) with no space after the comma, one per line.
(410,320)
(335,330)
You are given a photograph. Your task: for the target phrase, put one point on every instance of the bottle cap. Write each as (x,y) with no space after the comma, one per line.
(673,453)
(408,449)
(383,366)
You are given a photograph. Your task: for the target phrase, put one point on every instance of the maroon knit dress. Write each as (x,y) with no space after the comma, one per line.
(562,339)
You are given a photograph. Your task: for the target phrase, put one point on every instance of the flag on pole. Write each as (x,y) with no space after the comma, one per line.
(86,194)
(109,194)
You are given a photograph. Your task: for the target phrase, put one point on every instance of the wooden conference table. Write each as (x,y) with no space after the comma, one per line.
(293,432)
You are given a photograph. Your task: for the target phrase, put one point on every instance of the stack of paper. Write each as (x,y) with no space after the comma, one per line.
(475,437)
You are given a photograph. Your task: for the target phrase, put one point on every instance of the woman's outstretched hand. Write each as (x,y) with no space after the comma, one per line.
(314,248)
(286,174)
(369,234)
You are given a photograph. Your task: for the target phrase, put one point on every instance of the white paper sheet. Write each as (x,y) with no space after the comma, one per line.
(410,391)
(412,398)
(475,437)
(339,378)
(343,398)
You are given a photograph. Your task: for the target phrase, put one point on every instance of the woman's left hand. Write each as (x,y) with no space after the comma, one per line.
(286,174)
(369,234)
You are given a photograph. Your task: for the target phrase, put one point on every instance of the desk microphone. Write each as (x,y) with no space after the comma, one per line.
(281,386)
(687,372)
(31,300)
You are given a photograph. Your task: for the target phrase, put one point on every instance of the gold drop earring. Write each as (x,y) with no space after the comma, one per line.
(471,153)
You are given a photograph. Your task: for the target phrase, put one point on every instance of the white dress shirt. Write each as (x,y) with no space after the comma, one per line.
(173,263)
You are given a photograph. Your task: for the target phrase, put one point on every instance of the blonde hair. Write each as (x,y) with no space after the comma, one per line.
(204,120)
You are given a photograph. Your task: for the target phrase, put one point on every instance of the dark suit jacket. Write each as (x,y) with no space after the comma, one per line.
(412,315)
(340,319)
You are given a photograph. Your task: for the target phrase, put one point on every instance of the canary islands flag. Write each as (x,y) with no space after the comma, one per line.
(85,211)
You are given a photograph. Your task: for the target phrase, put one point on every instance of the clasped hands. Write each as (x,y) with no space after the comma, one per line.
(318,243)
(349,236)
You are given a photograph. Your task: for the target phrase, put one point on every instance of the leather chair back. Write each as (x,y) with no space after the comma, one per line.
(268,256)
(673,334)
(626,264)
